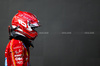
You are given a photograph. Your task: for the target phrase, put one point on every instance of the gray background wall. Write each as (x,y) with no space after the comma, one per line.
(69,35)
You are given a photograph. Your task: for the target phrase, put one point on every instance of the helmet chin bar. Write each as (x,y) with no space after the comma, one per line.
(19,34)
(17,30)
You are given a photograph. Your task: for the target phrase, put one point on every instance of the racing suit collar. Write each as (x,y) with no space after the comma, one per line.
(25,40)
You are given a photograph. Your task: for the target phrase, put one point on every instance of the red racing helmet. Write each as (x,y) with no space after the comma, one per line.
(26,22)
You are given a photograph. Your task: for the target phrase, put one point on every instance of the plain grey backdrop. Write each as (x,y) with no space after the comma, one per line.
(69,35)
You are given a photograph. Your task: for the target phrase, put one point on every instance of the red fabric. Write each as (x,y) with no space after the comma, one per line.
(16,54)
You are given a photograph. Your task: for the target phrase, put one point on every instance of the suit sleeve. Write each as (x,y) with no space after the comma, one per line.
(17,53)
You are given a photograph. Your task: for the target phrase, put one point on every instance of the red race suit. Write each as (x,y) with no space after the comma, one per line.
(16,53)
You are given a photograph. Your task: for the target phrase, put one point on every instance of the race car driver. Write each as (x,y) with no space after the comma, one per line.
(21,32)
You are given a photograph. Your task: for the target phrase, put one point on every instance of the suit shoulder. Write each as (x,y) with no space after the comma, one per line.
(15,42)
